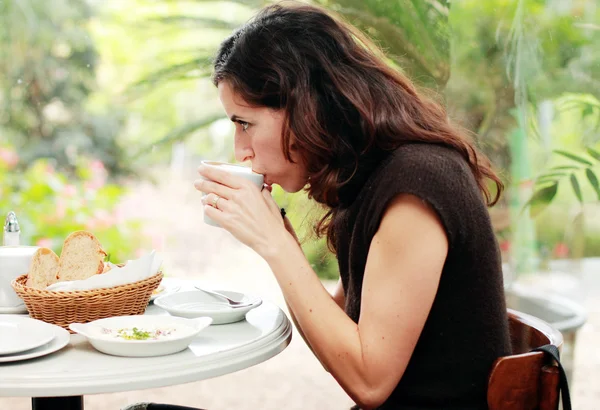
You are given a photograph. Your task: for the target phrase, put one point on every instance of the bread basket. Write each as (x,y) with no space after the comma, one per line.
(82,306)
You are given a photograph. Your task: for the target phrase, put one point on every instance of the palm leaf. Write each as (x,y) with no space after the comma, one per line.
(574,157)
(192,22)
(414,33)
(593,179)
(191,69)
(180,133)
(594,153)
(541,199)
(576,187)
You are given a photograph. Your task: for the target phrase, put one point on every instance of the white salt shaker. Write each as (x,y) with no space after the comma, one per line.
(12,231)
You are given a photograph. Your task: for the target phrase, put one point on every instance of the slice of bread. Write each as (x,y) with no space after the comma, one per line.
(82,256)
(43,269)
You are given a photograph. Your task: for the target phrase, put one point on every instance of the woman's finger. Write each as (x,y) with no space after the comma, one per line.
(208,187)
(216,201)
(214,214)
(222,177)
(270,201)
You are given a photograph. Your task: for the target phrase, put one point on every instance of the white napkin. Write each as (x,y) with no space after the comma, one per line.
(133,271)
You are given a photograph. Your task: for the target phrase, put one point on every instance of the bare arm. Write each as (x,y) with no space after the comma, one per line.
(400,282)
(338,292)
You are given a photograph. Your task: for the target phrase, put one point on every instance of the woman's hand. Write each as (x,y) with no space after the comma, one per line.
(247,212)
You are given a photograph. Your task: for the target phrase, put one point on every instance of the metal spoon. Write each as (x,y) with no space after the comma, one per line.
(230,302)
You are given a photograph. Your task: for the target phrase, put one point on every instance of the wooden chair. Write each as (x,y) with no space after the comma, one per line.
(527,380)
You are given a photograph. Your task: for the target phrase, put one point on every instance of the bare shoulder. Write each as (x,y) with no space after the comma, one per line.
(408,214)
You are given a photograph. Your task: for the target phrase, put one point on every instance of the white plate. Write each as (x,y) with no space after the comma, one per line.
(13,310)
(167,285)
(172,334)
(195,303)
(18,334)
(60,340)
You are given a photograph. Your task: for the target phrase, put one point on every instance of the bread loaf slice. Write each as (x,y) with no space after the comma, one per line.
(43,269)
(82,256)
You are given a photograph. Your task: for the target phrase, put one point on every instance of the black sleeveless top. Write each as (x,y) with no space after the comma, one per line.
(467,327)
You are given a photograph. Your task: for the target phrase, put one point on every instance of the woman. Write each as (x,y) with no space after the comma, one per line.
(419,315)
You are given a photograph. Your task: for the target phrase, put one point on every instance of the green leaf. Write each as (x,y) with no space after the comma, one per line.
(565,167)
(591,176)
(552,174)
(194,22)
(593,153)
(191,69)
(576,187)
(573,157)
(541,199)
(180,133)
(588,110)
(545,181)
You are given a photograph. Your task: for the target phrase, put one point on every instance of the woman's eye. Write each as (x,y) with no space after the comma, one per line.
(244,125)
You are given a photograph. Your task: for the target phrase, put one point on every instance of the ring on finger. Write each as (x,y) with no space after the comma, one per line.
(215,202)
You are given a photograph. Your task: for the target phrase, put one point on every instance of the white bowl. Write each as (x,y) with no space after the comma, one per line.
(195,303)
(156,335)
(14,262)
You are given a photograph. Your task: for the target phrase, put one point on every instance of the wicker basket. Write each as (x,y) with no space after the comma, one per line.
(82,306)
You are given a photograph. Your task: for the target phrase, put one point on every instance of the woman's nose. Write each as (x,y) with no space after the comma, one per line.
(243,151)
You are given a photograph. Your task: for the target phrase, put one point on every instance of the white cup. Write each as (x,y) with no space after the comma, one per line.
(238,170)
(14,262)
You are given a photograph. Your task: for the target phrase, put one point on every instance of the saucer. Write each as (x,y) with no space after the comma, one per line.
(61,338)
(18,334)
(195,303)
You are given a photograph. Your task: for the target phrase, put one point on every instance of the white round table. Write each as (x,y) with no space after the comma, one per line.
(60,380)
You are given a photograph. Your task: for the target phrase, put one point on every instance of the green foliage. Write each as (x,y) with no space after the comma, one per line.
(579,167)
(50,206)
(547,183)
(508,54)
(414,34)
(303,215)
(47,72)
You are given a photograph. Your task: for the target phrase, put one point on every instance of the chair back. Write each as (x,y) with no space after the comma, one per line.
(526,380)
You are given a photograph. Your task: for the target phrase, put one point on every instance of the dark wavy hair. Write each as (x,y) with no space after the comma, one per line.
(345,107)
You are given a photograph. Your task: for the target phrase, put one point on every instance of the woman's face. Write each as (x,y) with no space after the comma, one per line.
(258,136)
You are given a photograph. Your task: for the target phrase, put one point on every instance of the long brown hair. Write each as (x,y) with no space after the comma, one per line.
(345,107)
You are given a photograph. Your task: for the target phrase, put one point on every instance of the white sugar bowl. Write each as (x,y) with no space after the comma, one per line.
(14,262)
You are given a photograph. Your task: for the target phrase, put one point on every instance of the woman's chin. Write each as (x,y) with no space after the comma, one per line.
(290,188)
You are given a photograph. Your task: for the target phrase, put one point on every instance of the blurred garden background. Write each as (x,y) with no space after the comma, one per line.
(106,109)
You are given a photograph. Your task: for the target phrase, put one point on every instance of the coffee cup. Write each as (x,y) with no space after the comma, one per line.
(237,170)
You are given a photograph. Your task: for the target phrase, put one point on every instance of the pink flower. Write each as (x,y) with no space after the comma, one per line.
(561,250)
(158,242)
(61,208)
(44,243)
(99,174)
(119,215)
(70,190)
(505,246)
(97,167)
(101,218)
(9,157)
